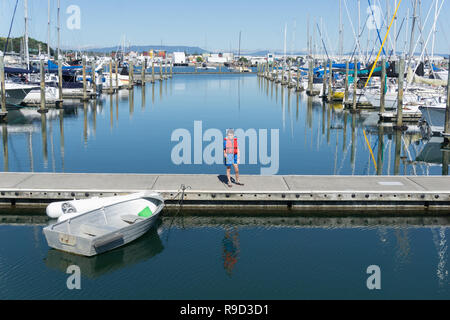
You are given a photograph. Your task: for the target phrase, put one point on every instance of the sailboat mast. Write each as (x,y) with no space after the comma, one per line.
(359,28)
(341,35)
(434,30)
(27,54)
(48,31)
(413,27)
(59,28)
(285,34)
(394,48)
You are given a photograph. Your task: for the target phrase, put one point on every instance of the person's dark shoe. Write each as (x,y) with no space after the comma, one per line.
(229,184)
(239,183)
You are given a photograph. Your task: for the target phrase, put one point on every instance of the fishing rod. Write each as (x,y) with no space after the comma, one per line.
(10,26)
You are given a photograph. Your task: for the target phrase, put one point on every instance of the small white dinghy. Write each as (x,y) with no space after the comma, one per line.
(63,210)
(105,228)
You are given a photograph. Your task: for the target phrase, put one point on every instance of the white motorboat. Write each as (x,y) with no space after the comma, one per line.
(434,116)
(105,228)
(34,96)
(16,92)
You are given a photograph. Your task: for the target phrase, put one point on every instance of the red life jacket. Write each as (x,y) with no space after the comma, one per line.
(231,146)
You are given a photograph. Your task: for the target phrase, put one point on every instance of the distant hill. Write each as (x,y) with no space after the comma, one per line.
(187,49)
(14,45)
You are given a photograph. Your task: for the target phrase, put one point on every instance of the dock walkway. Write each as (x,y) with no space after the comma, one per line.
(330,193)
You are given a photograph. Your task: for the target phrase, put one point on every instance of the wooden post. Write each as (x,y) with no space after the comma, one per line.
(220,68)
(85,98)
(355,84)
(165,70)
(42,108)
(298,79)
(383,85)
(160,71)
(111,90)
(117,76)
(330,81)
(2,85)
(59,103)
(144,68)
(347,72)
(289,74)
(324,82)
(131,75)
(171,69)
(310,78)
(401,74)
(153,71)
(447,111)
(94,82)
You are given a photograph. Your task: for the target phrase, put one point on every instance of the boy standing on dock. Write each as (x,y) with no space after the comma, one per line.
(231,154)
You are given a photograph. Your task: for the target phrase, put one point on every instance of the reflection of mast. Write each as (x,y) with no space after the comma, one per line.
(143,98)
(44,139)
(5,147)
(111,111)
(283,107)
(398,147)
(353,153)
(94,116)
(30,150)
(441,247)
(52,148)
(61,132)
(131,102)
(85,128)
(403,245)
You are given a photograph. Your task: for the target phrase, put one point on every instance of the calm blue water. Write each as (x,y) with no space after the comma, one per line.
(231,261)
(131,132)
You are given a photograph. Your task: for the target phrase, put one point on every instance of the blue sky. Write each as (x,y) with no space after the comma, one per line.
(211,24)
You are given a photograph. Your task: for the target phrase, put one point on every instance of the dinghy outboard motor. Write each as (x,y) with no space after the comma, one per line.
(56,209)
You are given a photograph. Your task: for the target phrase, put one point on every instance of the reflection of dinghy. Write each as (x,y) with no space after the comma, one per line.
(107,228)
(143,249)
(63,210)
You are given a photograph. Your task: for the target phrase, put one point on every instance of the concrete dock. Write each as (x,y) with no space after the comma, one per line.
(208,192)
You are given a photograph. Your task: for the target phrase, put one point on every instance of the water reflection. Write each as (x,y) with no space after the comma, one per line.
(320,138)
(138,251)
(230,249)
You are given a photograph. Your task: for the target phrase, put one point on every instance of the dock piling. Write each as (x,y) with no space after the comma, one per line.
(330,81)
(3,111)
(60,101)
(310,78)
(42,73)
(347,72)
(153,71)
(401,75)
(143,69)
(447,111)
(383,85)
(355,85)
(94,82)
(131,75)
(85,98)
(324,81)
